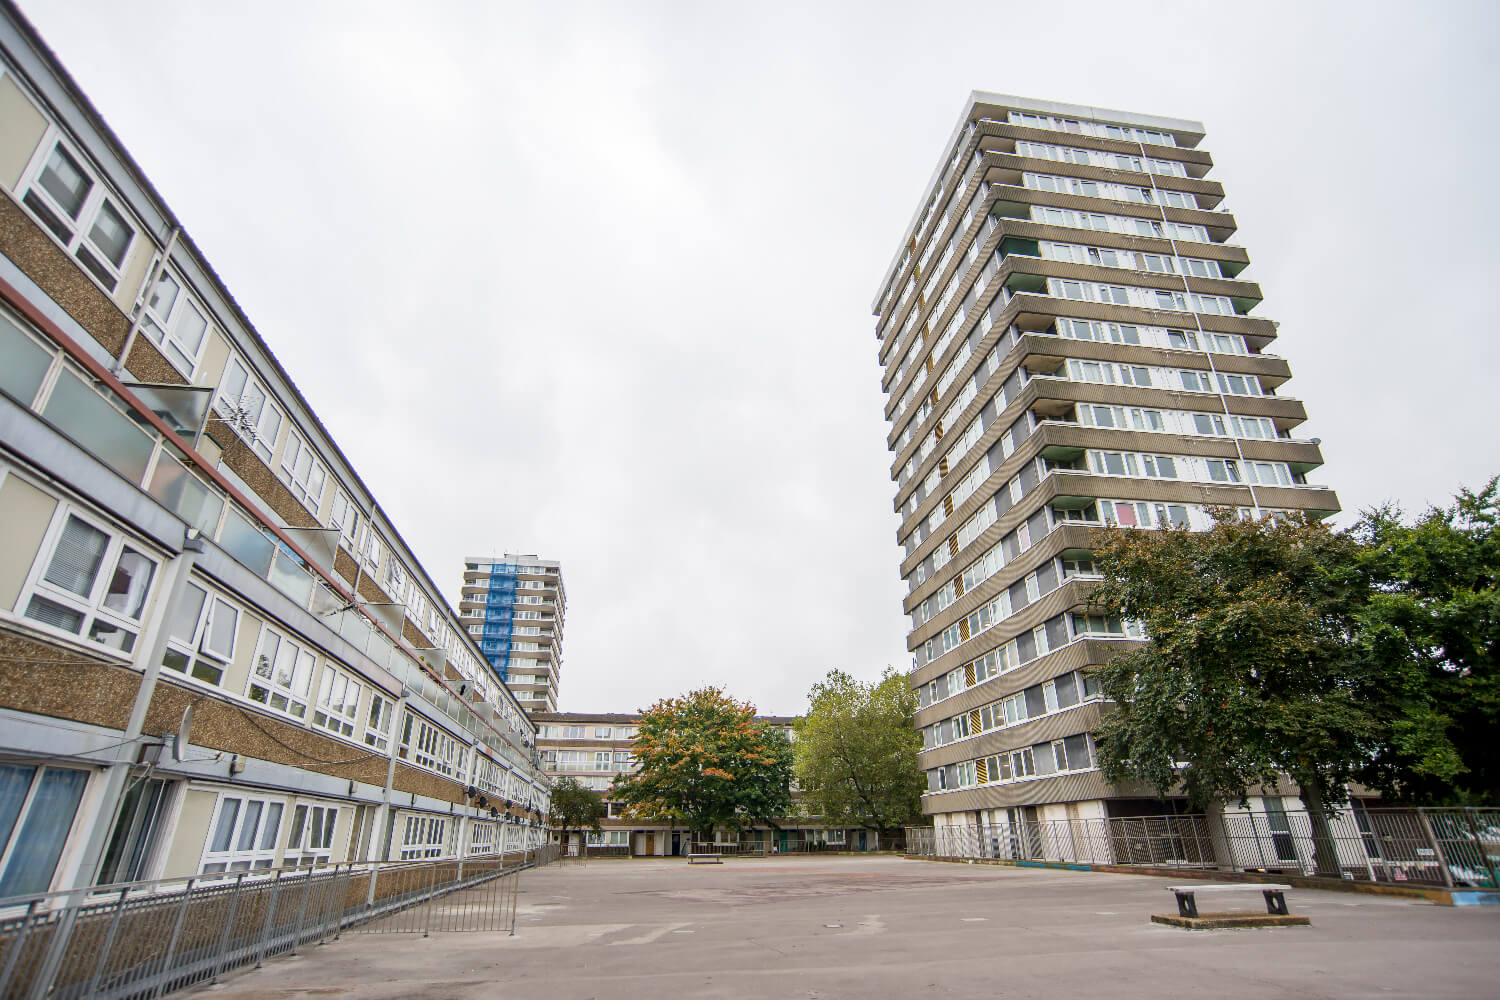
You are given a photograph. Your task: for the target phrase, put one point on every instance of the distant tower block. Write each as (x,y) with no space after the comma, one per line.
(514,608)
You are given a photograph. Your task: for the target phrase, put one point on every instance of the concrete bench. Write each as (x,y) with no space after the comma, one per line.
(1187,906)
(705,859)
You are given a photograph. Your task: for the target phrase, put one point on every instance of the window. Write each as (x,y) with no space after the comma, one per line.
(303,474)
(425,745)
(483,837)
(572,732)
(282,674)
(344,516)
(311,834)
(244,405)
(67,200)
(423,837)
(73,592)
(37,805)
(1223,470)
(244,835)
(200,635)
(338,703)
(138,829)
(175,323)
(370,549)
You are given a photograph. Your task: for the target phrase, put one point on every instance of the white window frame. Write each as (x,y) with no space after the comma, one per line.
(19,830)
(423,837)
(78,242)
(336,708)
(278,695)
(379,719)
(261,852)
(166,327)
(91,608)
(427,745)
(258,423)
(302,472)
(343,515)
(310,837)
(201,658)
(484,837)
(371,549)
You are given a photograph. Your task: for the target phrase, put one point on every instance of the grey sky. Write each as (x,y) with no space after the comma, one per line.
(592,281)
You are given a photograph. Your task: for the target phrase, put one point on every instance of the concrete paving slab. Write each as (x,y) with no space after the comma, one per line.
(882,926)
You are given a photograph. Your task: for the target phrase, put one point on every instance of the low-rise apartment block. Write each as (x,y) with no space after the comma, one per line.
(217,653)
(593,748)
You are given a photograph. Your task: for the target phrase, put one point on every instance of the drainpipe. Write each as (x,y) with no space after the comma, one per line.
(1187,289)
(153,648)
(152,277)
(382,827)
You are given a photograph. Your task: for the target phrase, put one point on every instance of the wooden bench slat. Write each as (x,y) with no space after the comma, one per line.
(1229,887)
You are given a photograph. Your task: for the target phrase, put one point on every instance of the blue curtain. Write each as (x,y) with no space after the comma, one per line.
(44,830)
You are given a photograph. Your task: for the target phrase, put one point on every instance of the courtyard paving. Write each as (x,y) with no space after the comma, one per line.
(882,926)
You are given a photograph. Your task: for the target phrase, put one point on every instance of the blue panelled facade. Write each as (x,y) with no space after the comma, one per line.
(513,606)
(499,614)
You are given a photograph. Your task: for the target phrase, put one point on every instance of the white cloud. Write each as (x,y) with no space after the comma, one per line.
(592,280)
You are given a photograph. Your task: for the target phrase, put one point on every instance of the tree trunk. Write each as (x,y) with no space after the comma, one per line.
(1325,853)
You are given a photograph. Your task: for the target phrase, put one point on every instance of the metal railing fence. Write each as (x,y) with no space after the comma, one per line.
(1440,847)
(146,939)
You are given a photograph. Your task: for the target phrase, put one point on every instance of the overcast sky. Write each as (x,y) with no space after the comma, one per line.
(593,280)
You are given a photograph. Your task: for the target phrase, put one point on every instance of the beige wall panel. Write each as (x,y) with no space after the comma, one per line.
(341,832)
(237,672)
(25,511)
(21,128)
(134,275)
(190,833)
(215,357)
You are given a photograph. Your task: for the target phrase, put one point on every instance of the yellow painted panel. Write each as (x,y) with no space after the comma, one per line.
(190,833)
(25,511)
(21,128)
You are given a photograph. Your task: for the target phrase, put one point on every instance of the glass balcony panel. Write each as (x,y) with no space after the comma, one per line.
(246,543)
(86,417)
(288,576)
(23,362)
(185,494)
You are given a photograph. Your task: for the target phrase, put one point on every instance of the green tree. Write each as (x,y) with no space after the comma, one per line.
(856,752)
(575,807)
(1434,618)
(1253,669)
(707,762)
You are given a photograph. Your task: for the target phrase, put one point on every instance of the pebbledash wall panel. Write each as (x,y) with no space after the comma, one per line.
(169,500)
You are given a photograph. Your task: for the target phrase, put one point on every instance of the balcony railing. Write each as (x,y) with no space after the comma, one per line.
(1450,848)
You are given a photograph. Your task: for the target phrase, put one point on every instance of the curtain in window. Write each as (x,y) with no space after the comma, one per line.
(44,831)
(76,561)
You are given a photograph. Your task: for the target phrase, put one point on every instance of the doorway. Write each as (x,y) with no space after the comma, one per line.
(676,844)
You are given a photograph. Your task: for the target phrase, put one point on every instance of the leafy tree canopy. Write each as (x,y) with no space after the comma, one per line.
(1434,617)
(856,752)
(575,807)
(707,762)
(1251,671)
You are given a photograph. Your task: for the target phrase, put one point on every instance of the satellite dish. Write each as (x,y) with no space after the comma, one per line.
(184,729)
